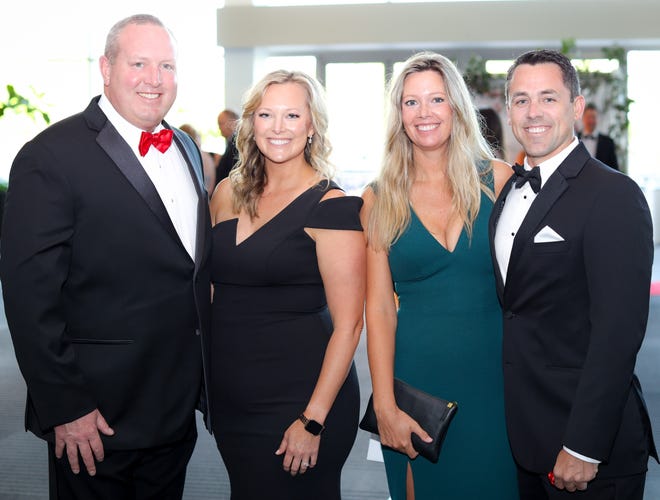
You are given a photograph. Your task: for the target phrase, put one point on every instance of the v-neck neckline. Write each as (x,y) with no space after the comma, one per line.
(421,223)
(269,221)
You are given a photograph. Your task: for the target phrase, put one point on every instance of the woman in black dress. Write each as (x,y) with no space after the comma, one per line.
(289,278)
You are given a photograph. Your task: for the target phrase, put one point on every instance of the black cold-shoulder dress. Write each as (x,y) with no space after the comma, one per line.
(271,327)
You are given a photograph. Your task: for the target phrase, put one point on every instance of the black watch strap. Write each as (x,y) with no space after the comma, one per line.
(311,426)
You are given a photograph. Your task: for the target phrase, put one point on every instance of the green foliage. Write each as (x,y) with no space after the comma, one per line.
(20,104)
(567,46)
(476,77)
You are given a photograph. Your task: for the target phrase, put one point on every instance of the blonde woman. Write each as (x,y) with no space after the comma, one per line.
(427,227)
(288,268)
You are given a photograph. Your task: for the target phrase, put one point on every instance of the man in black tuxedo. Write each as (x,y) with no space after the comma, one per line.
(105,278)
(227,121)
(600,146)
(573,268)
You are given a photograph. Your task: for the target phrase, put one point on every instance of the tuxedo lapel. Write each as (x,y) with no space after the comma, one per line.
(600,147)
(548,195)
(194,164)
(124,158)
(544,201)
(495,214)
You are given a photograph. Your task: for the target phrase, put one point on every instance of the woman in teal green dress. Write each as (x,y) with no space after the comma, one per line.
(433,318)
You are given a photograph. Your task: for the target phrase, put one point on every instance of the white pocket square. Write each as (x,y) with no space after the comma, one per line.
(547,235)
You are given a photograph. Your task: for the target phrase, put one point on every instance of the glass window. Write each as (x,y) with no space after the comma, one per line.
(356,93)
(643,76)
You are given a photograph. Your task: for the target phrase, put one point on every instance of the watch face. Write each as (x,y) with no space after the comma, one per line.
(314,427)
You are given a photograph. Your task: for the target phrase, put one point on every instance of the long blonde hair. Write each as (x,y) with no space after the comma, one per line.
(390,215)
(248,178)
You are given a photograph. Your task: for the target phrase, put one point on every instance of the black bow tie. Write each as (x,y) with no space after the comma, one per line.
(588,136)
(533,176)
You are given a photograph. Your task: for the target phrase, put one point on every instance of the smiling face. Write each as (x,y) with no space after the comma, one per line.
(141,81)
(425,111)
(541,114)
(282,123)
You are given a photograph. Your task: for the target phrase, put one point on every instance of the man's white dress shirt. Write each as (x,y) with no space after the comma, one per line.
(168,172)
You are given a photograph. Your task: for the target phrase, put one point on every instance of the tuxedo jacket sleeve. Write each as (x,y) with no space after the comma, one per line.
(36,256)
(575,314)
(104,304)
(617,255)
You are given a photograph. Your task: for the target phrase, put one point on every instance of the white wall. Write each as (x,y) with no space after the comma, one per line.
(449,24)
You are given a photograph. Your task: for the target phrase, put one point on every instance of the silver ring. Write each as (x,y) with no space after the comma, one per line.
(304,464)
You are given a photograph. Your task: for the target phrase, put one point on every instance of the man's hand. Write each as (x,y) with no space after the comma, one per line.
(571,473)
(82,435)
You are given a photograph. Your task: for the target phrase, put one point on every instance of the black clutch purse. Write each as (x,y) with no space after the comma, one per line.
(433,414)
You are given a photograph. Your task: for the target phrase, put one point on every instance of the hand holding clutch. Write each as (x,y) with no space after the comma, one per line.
(433,414)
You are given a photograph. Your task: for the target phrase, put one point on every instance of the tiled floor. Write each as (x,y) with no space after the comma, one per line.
(23,470)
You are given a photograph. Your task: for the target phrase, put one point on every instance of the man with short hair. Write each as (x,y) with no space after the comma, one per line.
(106,280)
(227,121)
(572,248)
(600,146)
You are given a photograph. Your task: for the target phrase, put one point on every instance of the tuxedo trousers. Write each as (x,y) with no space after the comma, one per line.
(157,473)
(537,487)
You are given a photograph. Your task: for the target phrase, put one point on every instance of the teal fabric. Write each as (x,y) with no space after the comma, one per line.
(448,343)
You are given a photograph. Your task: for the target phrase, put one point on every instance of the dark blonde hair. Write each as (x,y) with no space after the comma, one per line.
(248,178)
(390,215)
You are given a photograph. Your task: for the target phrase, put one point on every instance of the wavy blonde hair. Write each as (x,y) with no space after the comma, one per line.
(390,215)
(248,178)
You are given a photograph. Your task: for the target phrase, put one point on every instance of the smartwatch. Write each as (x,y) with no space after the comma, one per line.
(311,426)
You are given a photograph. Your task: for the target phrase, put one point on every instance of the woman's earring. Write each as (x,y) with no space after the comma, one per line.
(309,139)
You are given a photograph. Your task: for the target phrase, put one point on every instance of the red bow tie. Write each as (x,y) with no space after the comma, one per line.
(160,140)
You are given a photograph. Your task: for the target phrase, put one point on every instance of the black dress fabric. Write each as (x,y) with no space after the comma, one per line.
(271,327)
